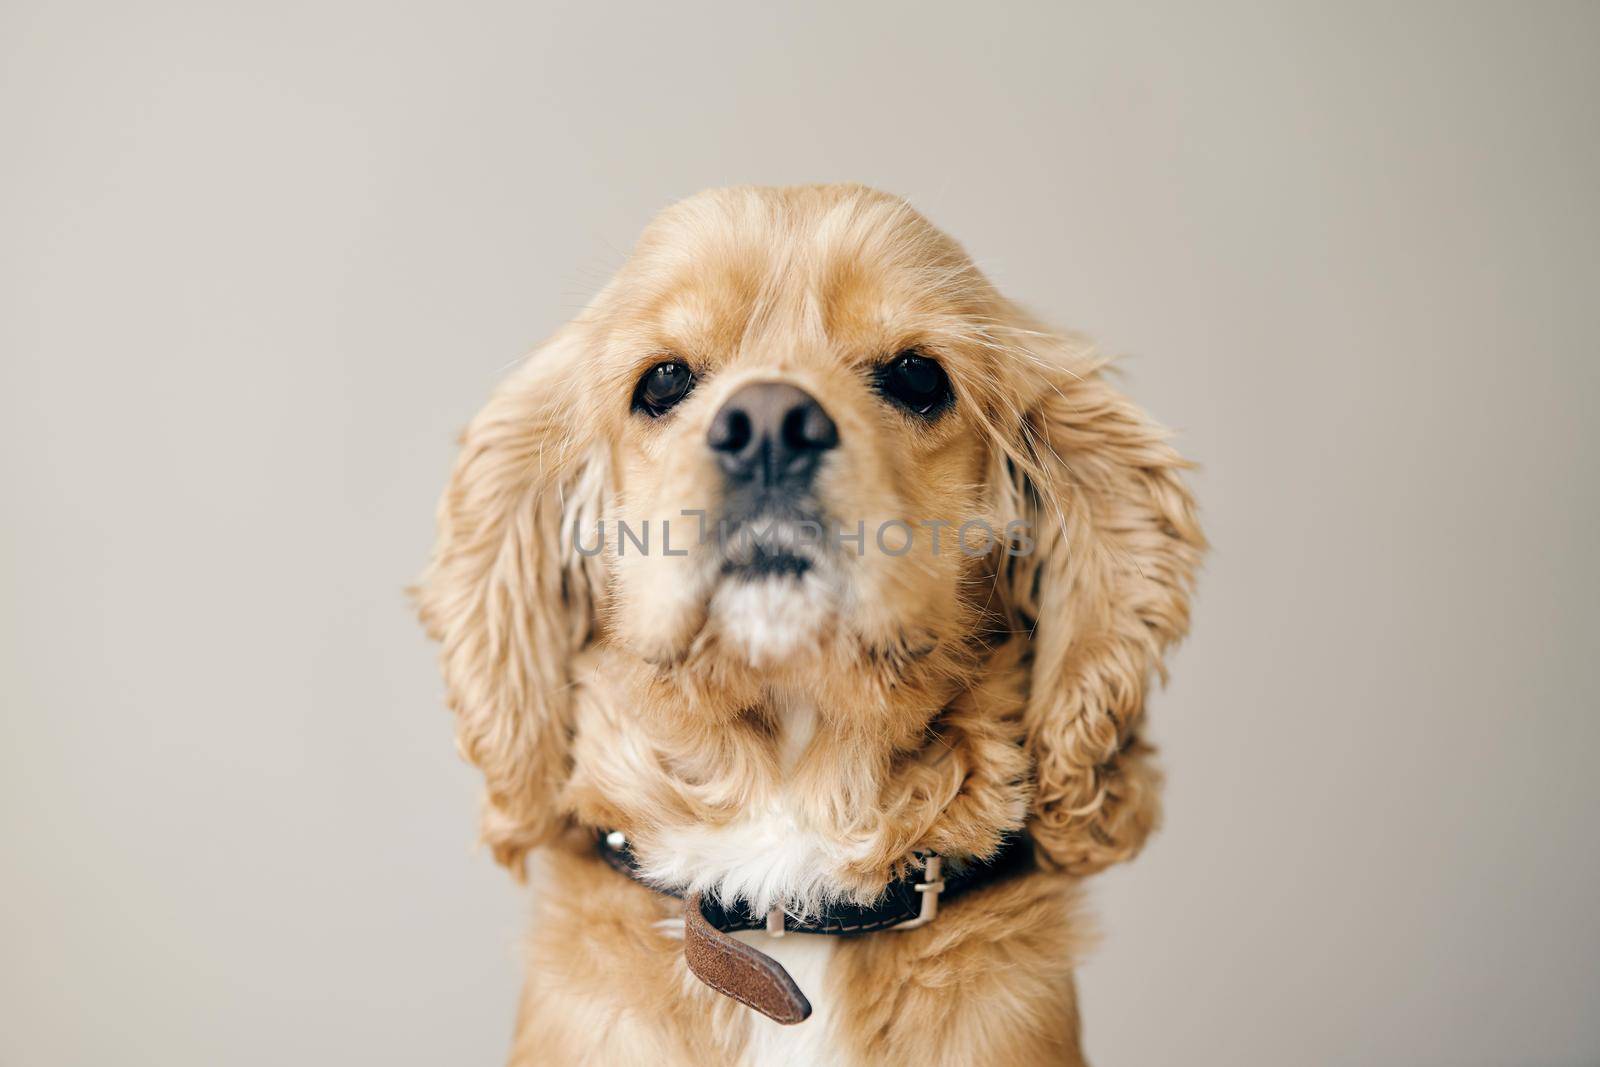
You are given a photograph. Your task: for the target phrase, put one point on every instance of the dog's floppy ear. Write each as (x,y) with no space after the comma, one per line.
(508,596)
(1104,591)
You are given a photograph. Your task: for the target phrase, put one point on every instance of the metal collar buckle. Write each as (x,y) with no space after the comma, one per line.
(930,890)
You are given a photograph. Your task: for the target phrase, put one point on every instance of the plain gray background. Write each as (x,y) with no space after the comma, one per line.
(259,263)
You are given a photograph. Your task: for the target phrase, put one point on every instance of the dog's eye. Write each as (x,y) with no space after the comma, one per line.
(662,386)
(916,383)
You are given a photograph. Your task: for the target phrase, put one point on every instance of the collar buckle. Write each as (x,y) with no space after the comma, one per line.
(930,889)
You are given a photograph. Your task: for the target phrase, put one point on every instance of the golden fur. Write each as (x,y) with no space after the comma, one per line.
(928,700)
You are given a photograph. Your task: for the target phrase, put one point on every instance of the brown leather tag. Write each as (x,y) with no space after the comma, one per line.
(734,969)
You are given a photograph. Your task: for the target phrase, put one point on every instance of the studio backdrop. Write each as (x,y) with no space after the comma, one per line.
(260,264)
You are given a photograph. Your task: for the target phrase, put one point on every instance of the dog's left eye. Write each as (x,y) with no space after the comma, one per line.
(916,383)
(662,386)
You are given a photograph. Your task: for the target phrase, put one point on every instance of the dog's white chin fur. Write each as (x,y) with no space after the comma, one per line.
(773,620)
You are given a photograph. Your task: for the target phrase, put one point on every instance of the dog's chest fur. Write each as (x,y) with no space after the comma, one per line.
(767,857)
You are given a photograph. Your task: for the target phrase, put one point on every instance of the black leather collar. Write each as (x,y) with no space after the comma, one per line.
(901,902)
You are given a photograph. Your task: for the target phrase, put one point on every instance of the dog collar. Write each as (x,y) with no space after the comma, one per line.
(755,979)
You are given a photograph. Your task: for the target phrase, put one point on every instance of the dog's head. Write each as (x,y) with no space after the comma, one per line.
(800,439)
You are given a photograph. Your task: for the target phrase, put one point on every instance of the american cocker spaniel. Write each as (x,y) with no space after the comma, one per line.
(799,601)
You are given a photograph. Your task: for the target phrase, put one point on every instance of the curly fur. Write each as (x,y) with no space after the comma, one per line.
(797,744)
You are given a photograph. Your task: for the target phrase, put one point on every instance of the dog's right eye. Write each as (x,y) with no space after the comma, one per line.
(662,386)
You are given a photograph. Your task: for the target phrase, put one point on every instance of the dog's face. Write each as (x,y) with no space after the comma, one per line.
(795,397)
(800,443)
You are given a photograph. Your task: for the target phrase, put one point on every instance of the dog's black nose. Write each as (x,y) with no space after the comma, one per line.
(772,434)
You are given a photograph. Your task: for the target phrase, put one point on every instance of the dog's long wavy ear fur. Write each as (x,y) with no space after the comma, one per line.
(1104,591)
(509,598)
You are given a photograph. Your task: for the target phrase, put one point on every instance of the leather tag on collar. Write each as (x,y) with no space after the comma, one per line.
(734,969)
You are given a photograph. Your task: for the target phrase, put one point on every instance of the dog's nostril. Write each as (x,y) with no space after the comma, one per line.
(794,429)
(730,431)
(807,427)
(821,431)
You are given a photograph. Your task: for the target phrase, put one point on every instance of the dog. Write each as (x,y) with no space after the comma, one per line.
(798,602)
